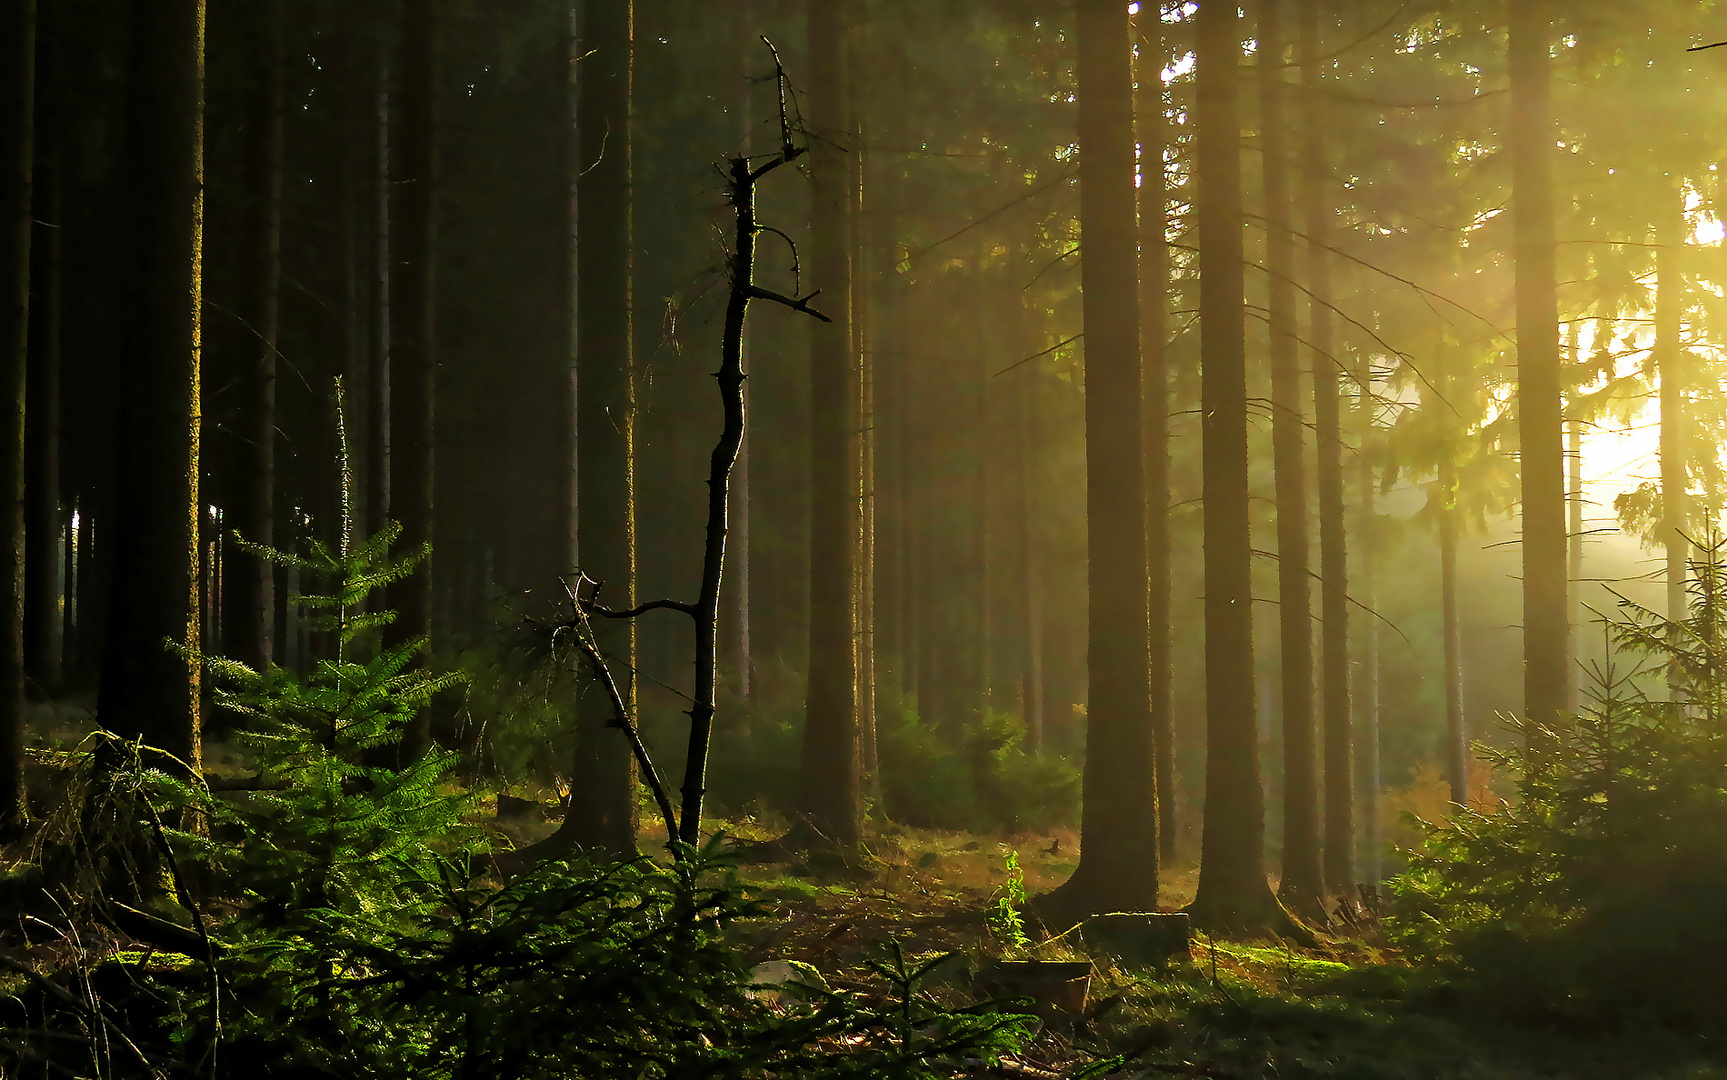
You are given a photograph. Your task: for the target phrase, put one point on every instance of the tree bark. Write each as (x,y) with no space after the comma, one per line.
(1302,886)
(1340,760)
(1574,522)
(830,800)
(1233,892)
(1154,275)
(249,607)
(1118,827)
(1328,423)
(602,814)
(1455,751)
(1541,434)
(1670,373)
(17,176)
(377,420)
(44,520)
(413,238)
(147,690)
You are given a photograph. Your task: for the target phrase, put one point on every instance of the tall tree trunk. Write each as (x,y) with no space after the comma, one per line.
(17,116)
(1574,521)
(1541,435)
(1340,804)
(830,750)
(1303,885)
(1669,369)
(378,374)
(863,347)
(602,794)
(1233,891)
(44,521)
(1118,829)
(146,689)
(250,604)
(412,298)
(1154,274)
(1456,733)
(354,194)
(1328,423)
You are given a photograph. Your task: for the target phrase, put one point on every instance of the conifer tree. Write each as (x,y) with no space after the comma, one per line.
(1302,886)
(601,814)
(1118,860)
(413,237)
(1233,891)
(1541,436)
(830,798)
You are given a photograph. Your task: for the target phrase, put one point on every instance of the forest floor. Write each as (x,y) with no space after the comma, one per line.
(1348,1008)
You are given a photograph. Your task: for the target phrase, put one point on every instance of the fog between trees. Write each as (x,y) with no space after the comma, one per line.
(1220,410)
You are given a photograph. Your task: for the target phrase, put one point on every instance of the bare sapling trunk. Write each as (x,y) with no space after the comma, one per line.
(683,824)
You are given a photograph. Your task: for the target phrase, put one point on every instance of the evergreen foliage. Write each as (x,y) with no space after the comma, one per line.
(344,922)
(1595,894)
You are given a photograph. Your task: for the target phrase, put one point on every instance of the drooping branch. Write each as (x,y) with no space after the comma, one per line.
(581,627)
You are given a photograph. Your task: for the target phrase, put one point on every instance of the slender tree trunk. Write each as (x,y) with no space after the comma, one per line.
(17,174)
(1455,753)
(1303,886)
(378,374)
(1340,808)
(1154,274)
(603,793)
(1328,423)
(354,196)
(1233,891)
(251,603)
(863,346)
(1669,369)
(412,334)
(1118,828)
(70,592)
(1574,523)
(43,518)
(830,751)
(1541,433)
(147,690)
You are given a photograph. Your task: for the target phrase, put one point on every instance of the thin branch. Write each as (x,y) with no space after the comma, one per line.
(621,718)
(1037,356)
(642,609)
(756,292)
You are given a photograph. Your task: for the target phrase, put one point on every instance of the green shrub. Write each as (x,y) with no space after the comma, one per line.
(984,781)
(1596,895)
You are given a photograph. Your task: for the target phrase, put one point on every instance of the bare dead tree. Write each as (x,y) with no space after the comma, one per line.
(743,174)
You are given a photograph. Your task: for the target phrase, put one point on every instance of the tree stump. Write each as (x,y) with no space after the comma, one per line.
(1140,937)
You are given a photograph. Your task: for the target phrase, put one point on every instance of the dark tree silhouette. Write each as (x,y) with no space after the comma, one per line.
(148,690)
(249,607)
(17,174)
(413,240)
